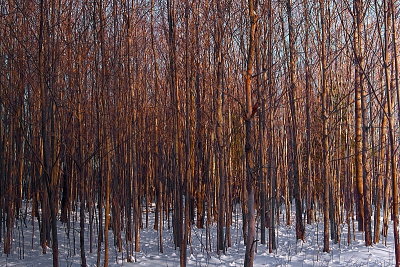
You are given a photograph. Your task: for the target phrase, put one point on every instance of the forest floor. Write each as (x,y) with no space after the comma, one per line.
(288,253)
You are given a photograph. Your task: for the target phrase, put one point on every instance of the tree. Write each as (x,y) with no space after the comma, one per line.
(249,143)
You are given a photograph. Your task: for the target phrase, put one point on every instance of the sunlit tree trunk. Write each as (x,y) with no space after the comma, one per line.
(325,140)
(249,143)
(293,126)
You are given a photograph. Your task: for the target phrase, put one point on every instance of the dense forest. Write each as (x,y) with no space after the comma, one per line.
(112,112)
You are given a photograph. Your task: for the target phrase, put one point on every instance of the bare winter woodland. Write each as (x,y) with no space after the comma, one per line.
(112,112)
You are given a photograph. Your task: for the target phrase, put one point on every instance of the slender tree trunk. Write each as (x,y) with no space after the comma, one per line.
(271,153)
(325,140)
(107,204)
(392,142)
(249,146)
(308,114)
(384,120)
(219,125)
(293,127)
(358,114)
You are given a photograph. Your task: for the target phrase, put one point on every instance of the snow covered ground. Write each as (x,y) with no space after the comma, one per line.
(288,253)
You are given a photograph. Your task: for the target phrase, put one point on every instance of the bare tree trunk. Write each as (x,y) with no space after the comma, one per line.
(393,169)
(107,204)
(272,173)
(384,120)
(325,137)
(392,142)
(219,129)
(358,115)
(293,127)
(249,146)
(262,88)
(309,205)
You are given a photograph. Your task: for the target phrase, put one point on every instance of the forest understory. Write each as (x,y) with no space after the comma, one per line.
(26,250)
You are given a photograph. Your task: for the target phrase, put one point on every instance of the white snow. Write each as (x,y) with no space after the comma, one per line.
(288,253)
